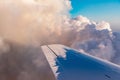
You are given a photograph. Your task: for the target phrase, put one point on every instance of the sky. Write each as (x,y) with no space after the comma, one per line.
(98,10)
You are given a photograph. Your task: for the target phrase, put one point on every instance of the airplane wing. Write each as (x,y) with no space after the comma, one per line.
(69,64)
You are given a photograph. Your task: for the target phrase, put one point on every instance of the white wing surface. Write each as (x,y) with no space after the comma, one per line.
(69,64)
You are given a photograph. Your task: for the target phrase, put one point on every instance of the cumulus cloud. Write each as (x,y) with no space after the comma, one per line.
(25,25)
(28,20)
(96,39)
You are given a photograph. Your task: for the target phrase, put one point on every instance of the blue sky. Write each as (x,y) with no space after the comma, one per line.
(98,10)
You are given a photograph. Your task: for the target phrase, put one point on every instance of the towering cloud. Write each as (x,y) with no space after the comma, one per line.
(25,25)
(25,20)
(93,38)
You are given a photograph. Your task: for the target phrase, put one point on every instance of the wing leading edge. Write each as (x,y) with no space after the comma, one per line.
(69,64)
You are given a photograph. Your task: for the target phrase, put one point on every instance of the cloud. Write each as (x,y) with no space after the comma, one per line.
(25,25)
(96,39)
